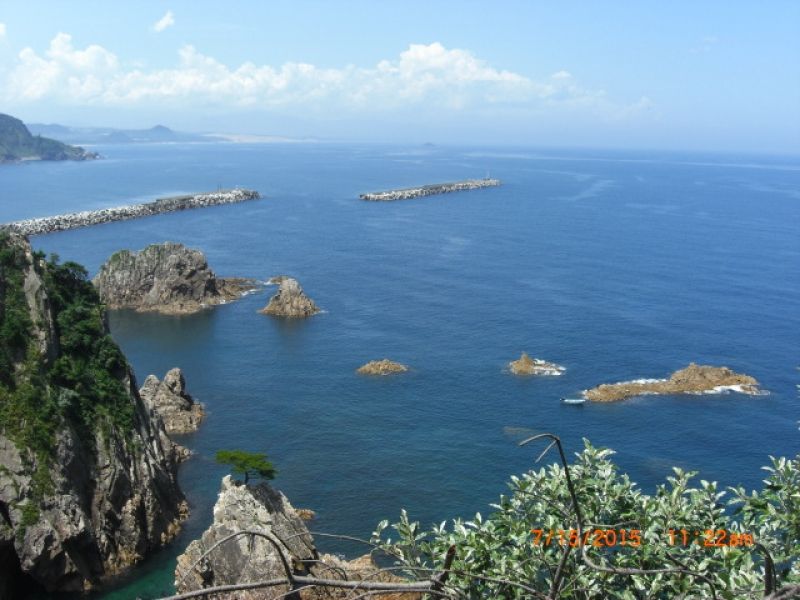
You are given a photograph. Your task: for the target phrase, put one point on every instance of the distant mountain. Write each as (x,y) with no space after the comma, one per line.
(110,135)
(17,143)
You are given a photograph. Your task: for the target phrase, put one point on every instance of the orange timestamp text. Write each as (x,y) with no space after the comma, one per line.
(599,538)
(710,538)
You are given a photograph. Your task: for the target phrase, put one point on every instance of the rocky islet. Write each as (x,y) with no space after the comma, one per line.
(168,278)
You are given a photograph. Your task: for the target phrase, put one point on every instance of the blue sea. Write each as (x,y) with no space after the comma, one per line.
(617,265)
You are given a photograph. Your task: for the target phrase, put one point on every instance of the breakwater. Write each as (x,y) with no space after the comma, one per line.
(430,190)
(133,211)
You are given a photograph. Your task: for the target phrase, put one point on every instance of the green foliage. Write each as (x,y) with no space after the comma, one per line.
(502,546)
(15,321)
(249,464)
(89,363)
(84,384)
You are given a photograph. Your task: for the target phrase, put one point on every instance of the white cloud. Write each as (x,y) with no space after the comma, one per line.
(423,75)
(2,30)
(168,20)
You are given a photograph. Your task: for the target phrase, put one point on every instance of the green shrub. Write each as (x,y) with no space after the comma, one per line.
(249,464)
(497,557)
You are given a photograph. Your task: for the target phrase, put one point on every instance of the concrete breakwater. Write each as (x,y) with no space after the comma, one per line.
(430,190)
(132,211)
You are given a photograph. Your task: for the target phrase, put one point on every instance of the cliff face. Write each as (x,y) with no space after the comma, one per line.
(167,278)
(17,143)
(88,476)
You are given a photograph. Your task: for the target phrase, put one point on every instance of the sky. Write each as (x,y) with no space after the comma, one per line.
(685,75)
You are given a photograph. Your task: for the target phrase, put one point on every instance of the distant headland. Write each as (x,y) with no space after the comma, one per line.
(131,211)
(18,145)
(430,190)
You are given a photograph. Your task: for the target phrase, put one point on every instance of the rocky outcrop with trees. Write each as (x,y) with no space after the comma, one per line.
(282,542)
(88,476)
(168,278)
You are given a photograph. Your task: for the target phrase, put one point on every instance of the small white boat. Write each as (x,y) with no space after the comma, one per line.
(573,400)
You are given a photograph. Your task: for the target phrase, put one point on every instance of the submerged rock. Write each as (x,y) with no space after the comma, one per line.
(694,379)
(178,410)
(168,278)
(525,365)
(290,300)
(382,367)
(247,559)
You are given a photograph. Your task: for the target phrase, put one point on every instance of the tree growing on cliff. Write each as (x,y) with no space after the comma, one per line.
(249,464)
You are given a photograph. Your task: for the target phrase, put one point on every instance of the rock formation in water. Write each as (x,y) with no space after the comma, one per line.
(290,300)
(167,278)
(694,379)
(178,410)
(382,367)
(88,478)
(245,559)
(525,365)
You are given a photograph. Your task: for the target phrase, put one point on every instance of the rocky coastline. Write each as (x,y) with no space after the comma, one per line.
(168,278)
(87,218)
(430,190)
(694,379)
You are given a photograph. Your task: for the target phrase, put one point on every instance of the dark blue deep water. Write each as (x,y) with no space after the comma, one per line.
(618,265)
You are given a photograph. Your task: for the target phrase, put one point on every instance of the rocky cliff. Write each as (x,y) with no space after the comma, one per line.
(167,278)
(694,379)
(88,476)
(168,398)
(290,301)
(245,559)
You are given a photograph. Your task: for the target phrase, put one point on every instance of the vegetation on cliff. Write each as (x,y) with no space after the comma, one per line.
(87,474)
(17,143)
(83,383)
(249,464)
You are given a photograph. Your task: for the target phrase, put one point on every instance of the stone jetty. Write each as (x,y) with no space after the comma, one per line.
(132,211)
(430,190)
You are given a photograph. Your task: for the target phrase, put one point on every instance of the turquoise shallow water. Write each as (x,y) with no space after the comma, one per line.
(615,265)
